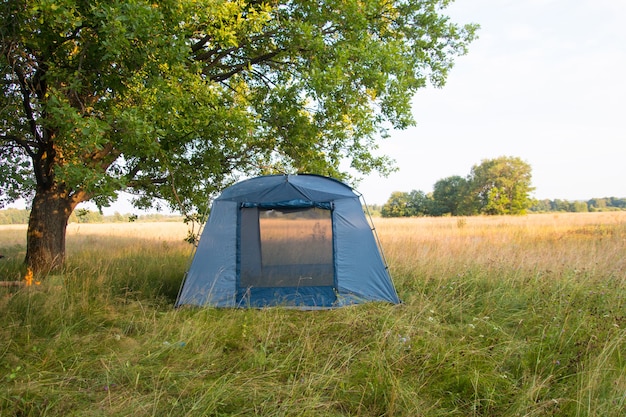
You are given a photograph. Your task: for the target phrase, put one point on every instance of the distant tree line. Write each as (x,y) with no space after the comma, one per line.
(14,216)
(20,216)
(595,204)
(495,186)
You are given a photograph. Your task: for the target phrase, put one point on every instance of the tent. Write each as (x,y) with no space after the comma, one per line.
(287,240)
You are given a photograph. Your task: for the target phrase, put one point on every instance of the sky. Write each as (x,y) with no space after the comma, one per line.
(545,82)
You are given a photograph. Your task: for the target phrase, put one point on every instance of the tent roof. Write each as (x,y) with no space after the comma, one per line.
(274,188)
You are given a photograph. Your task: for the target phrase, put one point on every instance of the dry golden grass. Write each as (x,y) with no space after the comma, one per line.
(539,244)
(170,231)
(80,235)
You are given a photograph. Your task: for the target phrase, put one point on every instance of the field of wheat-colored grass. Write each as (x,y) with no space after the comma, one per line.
(501,316)
(537,245)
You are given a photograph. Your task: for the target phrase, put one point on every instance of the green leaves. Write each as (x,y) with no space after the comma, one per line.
(401,204)
(494,187)
(501,186)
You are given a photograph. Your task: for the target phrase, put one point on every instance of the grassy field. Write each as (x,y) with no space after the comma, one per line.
(502,316)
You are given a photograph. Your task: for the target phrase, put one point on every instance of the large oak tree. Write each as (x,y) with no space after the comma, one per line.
(174,98)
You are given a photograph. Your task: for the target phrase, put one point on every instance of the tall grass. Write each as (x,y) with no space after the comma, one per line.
(502,316)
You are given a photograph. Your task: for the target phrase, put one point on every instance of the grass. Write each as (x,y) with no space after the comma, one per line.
(502,316)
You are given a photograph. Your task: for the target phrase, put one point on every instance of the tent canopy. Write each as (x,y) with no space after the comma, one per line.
(288,240)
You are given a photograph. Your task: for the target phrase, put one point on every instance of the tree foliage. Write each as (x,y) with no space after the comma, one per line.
(448,195)
(175,98)
(495,186)
(400,204)
(500,186)
(593,205)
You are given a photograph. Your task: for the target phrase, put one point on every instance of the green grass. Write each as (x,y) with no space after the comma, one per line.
(505,318)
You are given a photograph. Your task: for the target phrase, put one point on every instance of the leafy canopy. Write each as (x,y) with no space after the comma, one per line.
(501,186)
(412,204)
(493,187)
(174,98)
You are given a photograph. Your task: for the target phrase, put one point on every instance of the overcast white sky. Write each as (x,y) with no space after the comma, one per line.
(545,81)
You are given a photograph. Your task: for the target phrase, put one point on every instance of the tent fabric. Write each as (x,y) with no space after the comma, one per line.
(287,240)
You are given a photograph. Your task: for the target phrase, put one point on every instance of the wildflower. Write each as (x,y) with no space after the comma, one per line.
(28,278)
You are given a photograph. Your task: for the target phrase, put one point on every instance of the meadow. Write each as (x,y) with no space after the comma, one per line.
(501,316)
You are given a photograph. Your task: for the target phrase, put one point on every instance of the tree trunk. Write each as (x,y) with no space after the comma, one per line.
(45,239)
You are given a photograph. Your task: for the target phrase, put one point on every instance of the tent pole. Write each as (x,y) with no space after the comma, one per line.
(373,228)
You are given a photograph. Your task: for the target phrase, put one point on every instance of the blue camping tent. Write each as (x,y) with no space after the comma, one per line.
(287,240)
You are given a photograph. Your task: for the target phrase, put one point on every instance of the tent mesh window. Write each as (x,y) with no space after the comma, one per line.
(286,247)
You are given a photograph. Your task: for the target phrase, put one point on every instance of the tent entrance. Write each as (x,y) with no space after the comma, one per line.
(288,252)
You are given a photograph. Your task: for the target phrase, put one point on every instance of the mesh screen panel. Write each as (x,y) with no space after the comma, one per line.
(286,248)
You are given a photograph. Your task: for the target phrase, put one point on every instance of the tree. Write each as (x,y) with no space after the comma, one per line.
(400,204)
(500,186)
(448,195)
(580,207)
(598,203)
(419,203)
(397,205)
(176,98)
(541,206)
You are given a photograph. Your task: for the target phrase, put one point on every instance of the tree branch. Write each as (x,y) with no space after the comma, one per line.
(220,53)
(200,44)
(26,105)
(21,142)
(153,181)
(242,66)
